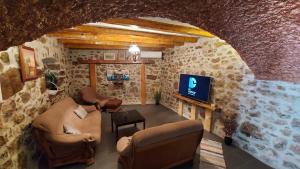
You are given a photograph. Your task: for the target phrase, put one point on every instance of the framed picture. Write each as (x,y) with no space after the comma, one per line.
(109,56)
(28,63)
(117,75)
(122,55)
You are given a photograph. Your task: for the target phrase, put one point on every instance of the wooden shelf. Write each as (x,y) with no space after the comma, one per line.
(209,108)
(194,102)
(98,61)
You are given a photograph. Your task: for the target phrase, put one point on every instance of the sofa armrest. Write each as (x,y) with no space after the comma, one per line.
(124,146)
(70,139)
(90,108)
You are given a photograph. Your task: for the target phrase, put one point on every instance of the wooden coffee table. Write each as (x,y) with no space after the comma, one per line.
(125,118)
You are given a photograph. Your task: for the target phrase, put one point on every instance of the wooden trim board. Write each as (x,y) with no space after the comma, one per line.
(93,78)
(115,61)
(143,84)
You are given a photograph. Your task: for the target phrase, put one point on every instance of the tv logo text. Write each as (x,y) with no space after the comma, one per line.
(192,84)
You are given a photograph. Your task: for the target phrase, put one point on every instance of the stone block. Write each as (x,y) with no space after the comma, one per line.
(25,97)
(290,165)
(42,85)
(4,155)
(11,83)
(3,140)
(18,118)
(295,148)
(296,138)
(1,67)
(286,131)
(4,57)
(296,123)
(280,144)
(8,164)
(151,77)
(8,109)
(250,129)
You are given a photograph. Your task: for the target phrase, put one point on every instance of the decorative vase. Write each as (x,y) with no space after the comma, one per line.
(227,140)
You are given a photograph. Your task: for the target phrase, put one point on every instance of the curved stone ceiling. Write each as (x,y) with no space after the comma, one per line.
(266,33)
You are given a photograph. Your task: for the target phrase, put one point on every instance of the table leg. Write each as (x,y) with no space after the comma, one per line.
(117,133)
(144,125)
(112,124)
(134,124)
(207,120)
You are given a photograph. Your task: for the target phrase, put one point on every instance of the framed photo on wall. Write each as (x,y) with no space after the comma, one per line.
(28,63)
(122,55)
(109,56)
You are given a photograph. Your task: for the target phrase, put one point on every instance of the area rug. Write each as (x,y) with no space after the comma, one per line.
(211,155)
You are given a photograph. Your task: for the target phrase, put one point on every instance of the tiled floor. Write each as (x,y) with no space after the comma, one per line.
(106,157)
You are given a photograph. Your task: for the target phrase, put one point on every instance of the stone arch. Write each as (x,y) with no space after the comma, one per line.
(265,33)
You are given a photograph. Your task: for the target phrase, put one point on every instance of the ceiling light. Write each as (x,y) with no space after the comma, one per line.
(135,51)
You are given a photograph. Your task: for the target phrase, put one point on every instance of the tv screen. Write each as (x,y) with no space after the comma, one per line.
(195,87)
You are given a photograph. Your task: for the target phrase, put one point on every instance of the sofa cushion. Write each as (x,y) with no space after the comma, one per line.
(80,112)
(54,118)
(92,124)
(68,129)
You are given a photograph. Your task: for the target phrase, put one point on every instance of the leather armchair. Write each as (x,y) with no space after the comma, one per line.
(163,146)
(90,96)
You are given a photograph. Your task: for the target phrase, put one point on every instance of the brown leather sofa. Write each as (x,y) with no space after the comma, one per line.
(160,147)
(90,96)
(61,148)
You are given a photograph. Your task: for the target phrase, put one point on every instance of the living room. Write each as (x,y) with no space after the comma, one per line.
(136,78)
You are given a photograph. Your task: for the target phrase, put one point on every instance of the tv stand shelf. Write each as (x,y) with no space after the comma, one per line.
(208,108)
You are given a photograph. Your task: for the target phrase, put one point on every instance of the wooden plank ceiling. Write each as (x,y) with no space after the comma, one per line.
(121,33)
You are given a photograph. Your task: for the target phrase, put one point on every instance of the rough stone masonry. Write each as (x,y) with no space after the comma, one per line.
(269,119)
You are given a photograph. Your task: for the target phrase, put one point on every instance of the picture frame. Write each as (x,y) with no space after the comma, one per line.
(122,55)
(28,63)
(117,75)
(109,56)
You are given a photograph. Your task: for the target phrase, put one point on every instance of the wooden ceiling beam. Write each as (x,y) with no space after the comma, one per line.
(98,31)
(126,44)
(110,47)
(116,38)
(160,26)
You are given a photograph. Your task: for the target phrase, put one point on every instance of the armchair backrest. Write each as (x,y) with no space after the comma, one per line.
(56,116)
(166,145)
(88,95)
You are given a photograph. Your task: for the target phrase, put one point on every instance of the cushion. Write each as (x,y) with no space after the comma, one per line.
(70,130)
(80,112)
(53,119)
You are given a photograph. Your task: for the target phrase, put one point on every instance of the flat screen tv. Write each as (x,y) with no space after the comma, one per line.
(195,87)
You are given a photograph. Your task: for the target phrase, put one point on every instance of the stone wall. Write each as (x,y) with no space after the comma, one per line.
(129,92)
(269,122)
(18,111)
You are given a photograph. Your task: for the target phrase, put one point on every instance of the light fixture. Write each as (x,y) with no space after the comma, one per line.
(135,51)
